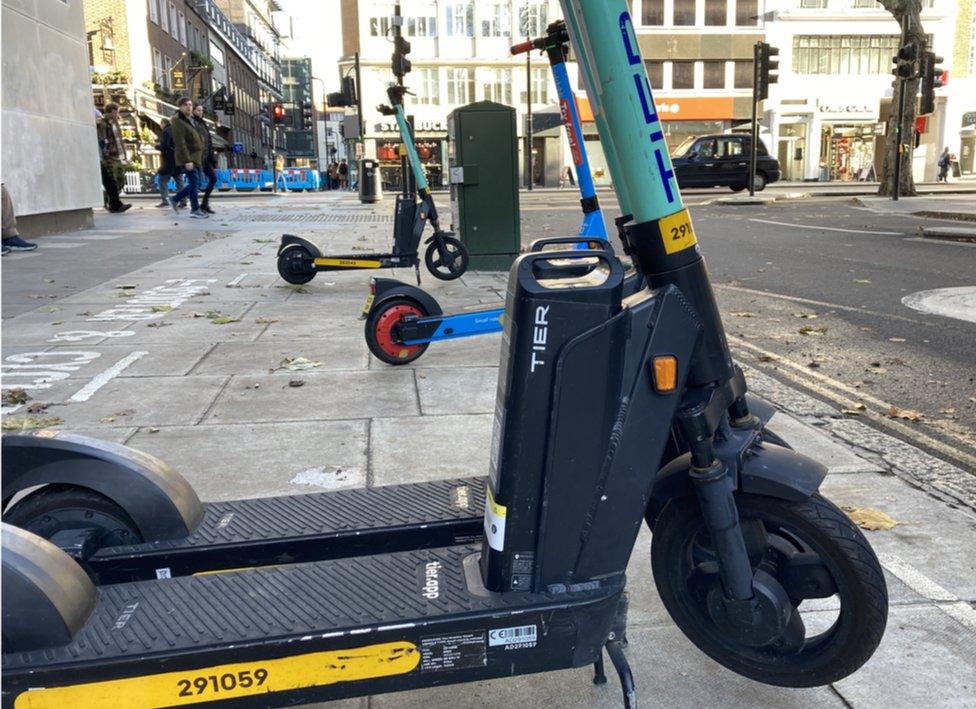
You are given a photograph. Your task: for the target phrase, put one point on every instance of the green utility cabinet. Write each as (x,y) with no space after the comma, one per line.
(483,169)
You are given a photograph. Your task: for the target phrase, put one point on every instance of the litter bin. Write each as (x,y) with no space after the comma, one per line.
(369,181)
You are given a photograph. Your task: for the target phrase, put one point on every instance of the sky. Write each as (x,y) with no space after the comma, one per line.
(316,33)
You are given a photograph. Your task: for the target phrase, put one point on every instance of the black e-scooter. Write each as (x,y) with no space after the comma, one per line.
(446,257)
(611,413)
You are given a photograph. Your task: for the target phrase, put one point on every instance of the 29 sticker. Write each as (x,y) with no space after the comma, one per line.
(677,233)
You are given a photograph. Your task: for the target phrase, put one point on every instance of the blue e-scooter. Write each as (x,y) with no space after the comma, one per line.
(402,319)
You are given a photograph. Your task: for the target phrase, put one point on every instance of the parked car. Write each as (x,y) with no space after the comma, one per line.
(722,161)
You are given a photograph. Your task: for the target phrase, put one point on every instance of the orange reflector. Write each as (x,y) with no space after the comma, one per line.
(666,373)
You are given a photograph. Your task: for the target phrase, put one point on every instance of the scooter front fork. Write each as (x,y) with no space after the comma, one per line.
(713,488)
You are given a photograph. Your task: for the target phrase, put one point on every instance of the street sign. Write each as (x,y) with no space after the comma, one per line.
(179,79)
(238,147)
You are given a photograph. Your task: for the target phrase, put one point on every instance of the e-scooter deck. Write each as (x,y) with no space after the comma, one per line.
(309,632)
(298,528)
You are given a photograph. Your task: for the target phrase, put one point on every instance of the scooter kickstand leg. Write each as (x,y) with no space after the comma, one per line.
(599,676)
(416,270)
(615,649)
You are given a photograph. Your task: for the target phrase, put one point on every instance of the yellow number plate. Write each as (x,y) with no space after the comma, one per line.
(677,233)
(367,306)
(241,679)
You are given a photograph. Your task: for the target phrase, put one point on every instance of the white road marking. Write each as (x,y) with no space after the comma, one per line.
(809,301)
(103,378)
(947,602)
(828,228)
(237,280)
(60,245)
(943,242)
(958,303)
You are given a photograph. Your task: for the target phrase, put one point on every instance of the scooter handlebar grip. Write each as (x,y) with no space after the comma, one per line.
(540,244)
(523,47)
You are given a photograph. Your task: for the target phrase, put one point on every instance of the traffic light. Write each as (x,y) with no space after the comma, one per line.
(767,68)
(278,114)
(306,116)
(905,61)
(401,65)
(931,80)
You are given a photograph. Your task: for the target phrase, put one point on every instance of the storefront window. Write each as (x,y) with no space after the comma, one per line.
(746,13)
(743,75)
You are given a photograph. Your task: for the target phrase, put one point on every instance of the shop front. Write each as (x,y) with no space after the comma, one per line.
(431,142)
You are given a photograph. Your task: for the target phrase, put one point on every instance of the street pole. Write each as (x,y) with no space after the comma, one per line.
(274,157)
(528,119)
(756,69)
(901,117)
(397,19)
(359,104)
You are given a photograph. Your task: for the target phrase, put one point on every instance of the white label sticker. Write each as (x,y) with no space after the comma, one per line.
(164,573)
(494,522)
(511,636)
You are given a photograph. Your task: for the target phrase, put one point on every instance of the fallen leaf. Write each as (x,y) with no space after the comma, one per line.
(159,323)
(58,322)
(743,314)
(297,364)
(810,330)
(870,518)
(50,309)
(264,241)
(195,256)
(265,321)
(860,280)
(153,429)
(49,280)
(850,412)
(22,423)
(896,339)
(126,286)
(38,407)
(218,318)
(907,414)
(296,382)
(950,410)
(765,358)
(807,316)
(813,364)
(246,263)
(107,419)
(15,397)
(162,308)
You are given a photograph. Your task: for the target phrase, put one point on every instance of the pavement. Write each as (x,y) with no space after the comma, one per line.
(178,338)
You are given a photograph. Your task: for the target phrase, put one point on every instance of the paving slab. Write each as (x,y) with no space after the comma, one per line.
(225,462)
(326,396)
(932,537)
(158,360)
(263,357)
(144,401)
(926,659)
(420,448)
(814,442)
(460,390)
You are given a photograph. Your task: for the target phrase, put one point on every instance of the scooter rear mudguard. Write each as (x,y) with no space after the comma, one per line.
(292,240)
(385,289)
(160,502)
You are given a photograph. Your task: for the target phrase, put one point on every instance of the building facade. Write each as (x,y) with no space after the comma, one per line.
(300,119)
(460,54)
(256,21)
(827,115)
(50,149)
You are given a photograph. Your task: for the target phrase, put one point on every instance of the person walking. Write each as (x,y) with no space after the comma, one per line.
(188,153)
(12,240)
(943,163)
(334,175)
(344,174)
(207,157)
(167,168)
(111,154)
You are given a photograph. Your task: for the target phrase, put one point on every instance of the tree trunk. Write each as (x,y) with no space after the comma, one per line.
(908,15)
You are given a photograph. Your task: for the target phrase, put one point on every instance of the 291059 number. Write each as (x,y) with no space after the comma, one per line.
(224,682)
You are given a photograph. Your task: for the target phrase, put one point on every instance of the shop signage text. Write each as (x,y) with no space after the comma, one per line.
(847,111)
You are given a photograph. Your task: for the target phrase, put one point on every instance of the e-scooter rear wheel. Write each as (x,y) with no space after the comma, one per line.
(446,258)
(295,265)
(811,550)
(72,509)
(381,336)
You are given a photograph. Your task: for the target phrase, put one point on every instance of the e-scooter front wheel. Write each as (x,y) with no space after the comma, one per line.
(381,331)
(446,258)
(807,550)
(296,265)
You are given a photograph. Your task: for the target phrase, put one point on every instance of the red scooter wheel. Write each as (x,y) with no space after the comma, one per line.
(381,335)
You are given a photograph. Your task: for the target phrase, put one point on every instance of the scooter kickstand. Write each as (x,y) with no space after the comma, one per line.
(615,649)
(599,677)
(416,270)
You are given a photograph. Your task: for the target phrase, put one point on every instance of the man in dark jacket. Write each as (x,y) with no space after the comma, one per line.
(111,151)
(188,153)
(208,157)
(167,168)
